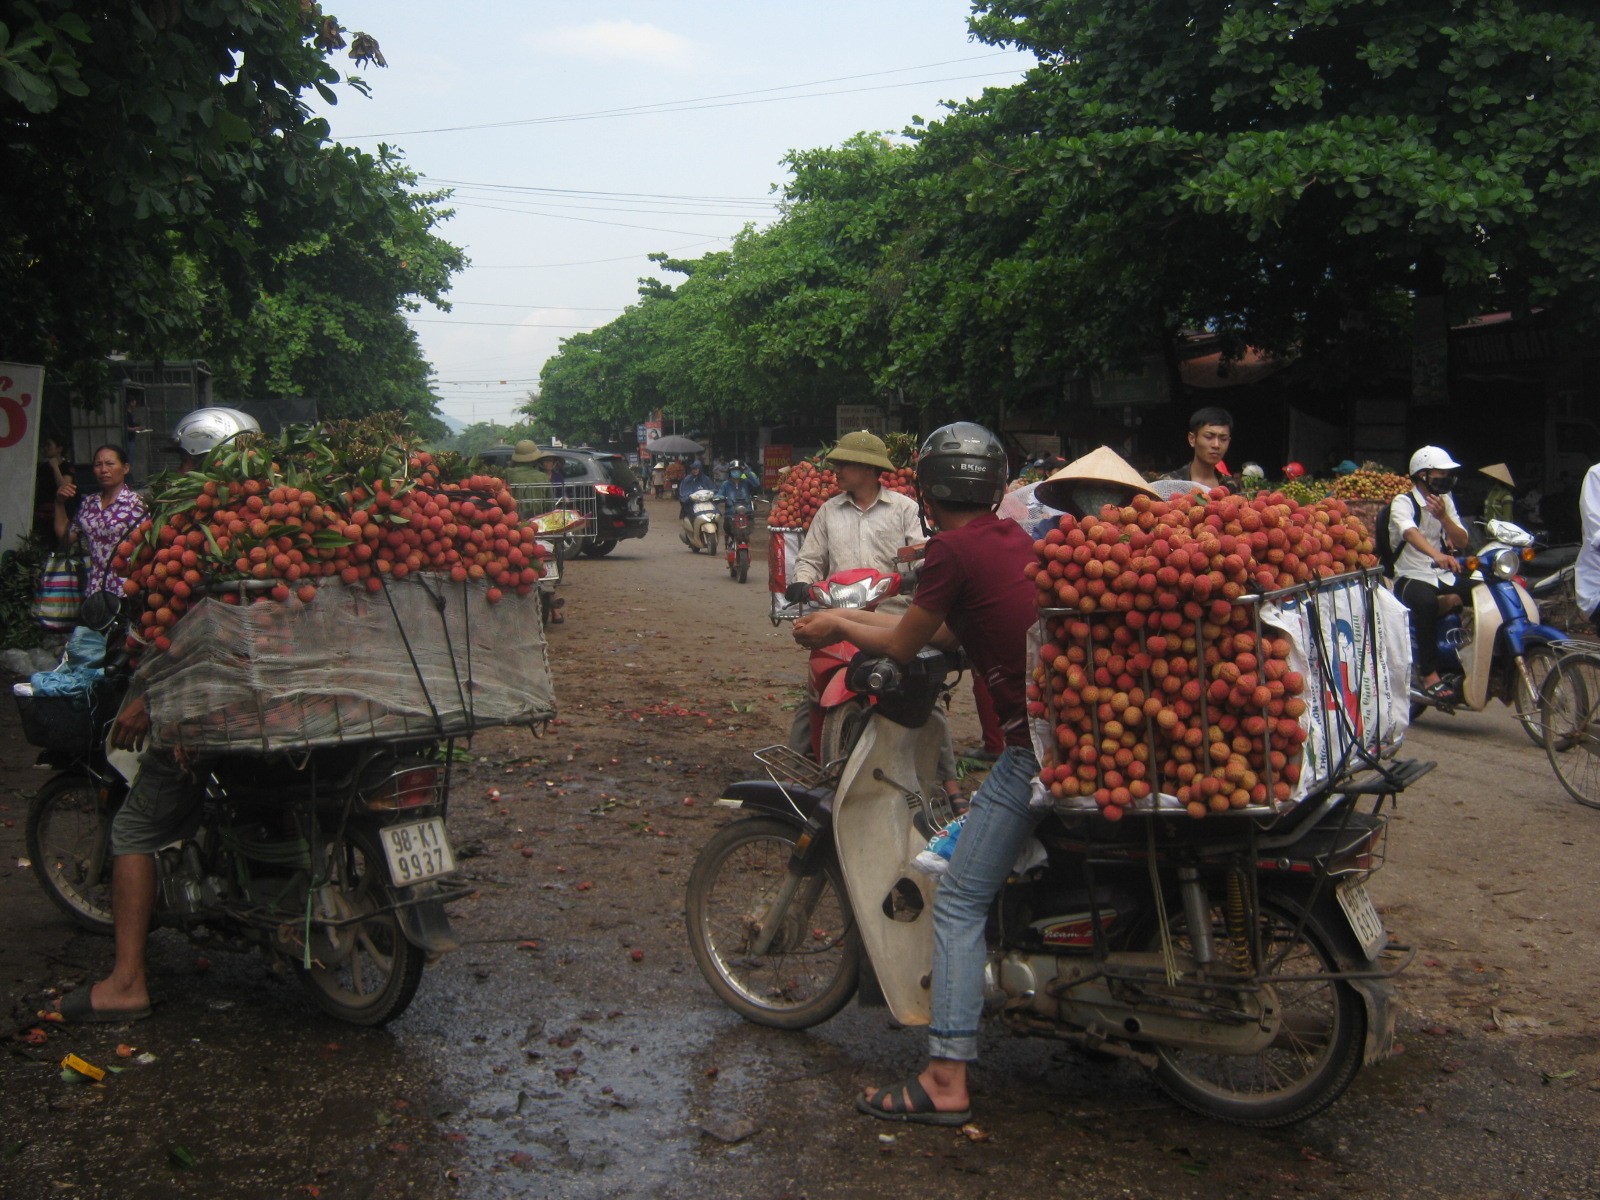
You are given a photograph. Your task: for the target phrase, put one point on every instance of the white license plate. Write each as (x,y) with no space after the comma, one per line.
(418,852)
(1363,917)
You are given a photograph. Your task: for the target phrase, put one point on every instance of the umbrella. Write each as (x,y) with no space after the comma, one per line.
(673,444)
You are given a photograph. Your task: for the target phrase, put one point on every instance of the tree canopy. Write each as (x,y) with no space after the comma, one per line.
(162,177)
(1290,174)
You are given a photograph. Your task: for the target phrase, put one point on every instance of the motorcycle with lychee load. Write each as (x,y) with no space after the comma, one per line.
(1495,646)
(1238,958)
(334,862)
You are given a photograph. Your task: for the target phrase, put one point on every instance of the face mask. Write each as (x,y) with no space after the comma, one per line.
(1441,485)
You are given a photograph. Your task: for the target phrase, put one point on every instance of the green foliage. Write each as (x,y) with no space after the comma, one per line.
(165,191)
(1286,173)
(19,582)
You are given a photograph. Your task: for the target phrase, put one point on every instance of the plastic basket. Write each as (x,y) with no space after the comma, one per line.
(58,722)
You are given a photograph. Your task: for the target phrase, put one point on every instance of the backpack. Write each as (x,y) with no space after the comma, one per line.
(1387,550)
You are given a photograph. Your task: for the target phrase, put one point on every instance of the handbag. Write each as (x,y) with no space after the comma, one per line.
(60,594)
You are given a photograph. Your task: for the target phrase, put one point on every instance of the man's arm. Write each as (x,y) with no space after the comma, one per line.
(812,564)
(877,633)
(1589,507)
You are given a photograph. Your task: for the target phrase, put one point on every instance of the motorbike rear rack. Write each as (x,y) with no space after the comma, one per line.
(785,765)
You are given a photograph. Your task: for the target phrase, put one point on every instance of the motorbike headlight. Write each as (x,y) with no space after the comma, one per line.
(1505,565)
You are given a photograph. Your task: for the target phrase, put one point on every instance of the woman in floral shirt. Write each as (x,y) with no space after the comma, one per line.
(104,520)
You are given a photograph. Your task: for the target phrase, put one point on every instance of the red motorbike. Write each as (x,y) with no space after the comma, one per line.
(840,713)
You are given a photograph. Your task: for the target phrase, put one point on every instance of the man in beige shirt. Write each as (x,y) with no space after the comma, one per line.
(866,525)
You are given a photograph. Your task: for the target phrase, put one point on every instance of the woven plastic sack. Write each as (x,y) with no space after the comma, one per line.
(420,659)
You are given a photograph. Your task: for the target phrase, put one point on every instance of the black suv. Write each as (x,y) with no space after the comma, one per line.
(616,510)
(619,498)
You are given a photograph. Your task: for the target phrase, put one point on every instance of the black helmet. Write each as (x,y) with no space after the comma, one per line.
(962,463)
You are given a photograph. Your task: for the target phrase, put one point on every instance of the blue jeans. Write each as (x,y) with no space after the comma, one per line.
(998,823)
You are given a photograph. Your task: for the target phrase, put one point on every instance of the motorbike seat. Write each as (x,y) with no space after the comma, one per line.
(1550,560)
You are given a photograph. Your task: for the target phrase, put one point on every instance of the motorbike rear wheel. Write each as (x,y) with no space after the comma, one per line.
(69,841)
(810,970)
(1320,1041)
(1541,661)
(363,973)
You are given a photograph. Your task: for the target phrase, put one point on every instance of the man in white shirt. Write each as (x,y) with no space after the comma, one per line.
(866,525)
(1425,525)
(1587,570)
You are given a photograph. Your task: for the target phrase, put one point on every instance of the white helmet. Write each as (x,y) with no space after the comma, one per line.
(1431,458)
(204,429)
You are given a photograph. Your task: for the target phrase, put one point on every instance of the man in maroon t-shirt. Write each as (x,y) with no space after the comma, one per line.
(972,593)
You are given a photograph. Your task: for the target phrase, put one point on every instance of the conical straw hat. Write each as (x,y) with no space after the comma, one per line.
(1103,465)
(1500,473)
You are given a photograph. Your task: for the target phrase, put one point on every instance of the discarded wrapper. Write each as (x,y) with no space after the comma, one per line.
(73,1063)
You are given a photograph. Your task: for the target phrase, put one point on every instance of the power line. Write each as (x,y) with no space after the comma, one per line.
(496,324)
(551,307)
(718,100)
(586,220)
(554,191)
(589,262)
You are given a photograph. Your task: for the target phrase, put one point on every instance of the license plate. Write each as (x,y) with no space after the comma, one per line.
(1363,917)
(418,852)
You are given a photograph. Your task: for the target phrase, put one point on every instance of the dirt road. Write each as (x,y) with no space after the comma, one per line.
(571,1049)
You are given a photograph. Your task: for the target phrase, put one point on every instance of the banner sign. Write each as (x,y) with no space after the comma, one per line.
(851,417)
(773,459)
(21,389)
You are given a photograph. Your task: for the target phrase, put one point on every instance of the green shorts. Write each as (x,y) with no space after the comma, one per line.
(162,807)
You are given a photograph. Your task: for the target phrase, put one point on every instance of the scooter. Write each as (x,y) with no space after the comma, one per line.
(736,534)
(1495,644)
(336,862)
(1240,960)
(1552,582)
(699,527)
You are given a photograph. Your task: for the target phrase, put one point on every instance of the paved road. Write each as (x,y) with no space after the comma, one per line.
(547,1059)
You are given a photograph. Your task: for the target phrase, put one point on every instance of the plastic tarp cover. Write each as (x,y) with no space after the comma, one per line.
(421,658)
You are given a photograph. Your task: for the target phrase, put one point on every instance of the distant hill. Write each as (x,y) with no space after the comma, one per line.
(452,424)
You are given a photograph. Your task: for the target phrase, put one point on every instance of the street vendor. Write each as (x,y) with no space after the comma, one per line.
(864,527)
(1210,435)
(525,471)
(163,804)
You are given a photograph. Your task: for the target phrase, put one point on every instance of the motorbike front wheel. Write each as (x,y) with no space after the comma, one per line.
(742,565)
(809,971)
(1541,660)
(1318,1048)
(364,972)
(69,841)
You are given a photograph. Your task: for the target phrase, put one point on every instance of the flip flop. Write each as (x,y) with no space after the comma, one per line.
(79,1007)
(909,1102)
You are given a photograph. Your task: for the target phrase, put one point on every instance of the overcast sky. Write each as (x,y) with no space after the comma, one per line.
(580,138)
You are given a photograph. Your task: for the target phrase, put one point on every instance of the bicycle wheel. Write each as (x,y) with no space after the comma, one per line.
(1570,708)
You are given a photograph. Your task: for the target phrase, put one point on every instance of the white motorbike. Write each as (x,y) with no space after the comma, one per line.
(701,526)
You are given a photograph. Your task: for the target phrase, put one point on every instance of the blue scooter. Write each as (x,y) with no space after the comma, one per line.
(1494,644)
